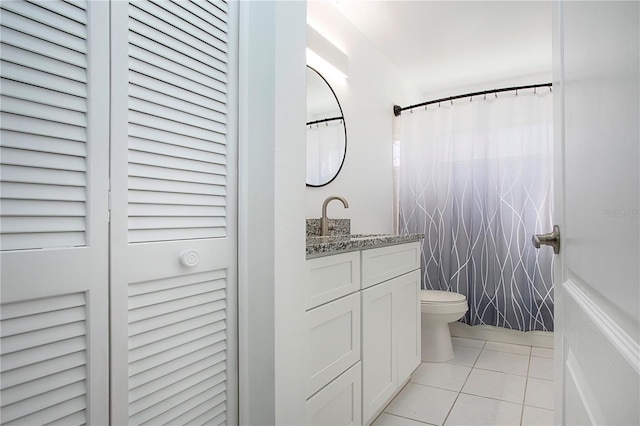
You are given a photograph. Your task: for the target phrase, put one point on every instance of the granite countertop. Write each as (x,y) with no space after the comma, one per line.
(325,246)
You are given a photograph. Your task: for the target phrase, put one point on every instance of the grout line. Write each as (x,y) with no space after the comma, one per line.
(491,398)
(403,417)
(503,372)
(526,387)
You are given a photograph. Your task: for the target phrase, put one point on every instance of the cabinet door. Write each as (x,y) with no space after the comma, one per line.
(331,277)
(53,224)
(173,221)
(406,323)
(383,263)
(339,402)
(334,335)
(379,380)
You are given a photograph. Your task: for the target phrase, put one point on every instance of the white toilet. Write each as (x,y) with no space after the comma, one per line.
(439,308)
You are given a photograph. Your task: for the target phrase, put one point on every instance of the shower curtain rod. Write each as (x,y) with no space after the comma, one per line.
(397,110)
(324,120)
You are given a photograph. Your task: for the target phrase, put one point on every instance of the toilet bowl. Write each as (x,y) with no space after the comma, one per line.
(439,308)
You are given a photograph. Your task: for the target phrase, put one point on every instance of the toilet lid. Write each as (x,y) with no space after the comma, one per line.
(439,296)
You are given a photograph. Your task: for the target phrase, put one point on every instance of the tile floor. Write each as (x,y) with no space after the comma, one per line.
(486,383)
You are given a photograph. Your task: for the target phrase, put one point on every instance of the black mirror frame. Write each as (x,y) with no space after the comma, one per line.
(344,125)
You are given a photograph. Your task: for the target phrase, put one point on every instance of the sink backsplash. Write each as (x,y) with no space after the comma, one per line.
(336,227)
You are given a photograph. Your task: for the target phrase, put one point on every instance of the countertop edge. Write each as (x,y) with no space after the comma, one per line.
(337,245)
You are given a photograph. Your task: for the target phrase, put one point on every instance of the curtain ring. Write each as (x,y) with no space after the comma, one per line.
(535,90)
(495,94)
(516,92)
(470,98)
(550,89)
(485,97)
(451,100)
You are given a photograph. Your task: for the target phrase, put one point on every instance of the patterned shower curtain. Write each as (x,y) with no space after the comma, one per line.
(476,178)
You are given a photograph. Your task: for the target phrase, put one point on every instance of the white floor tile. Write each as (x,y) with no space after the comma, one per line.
(539,393)
(493,384)
(533,416)
(541,368)
(464,355)
(504,362)
(390,420)
(476,410)
(508,347)
(422,403)
(542,352)
(441,375)
(472,343)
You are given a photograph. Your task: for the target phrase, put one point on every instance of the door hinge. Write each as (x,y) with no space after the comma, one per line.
(109,203)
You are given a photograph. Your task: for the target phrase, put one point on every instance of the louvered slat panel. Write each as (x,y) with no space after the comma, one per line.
(216,144)
(27,191)
(34,208)
(78,419)
(174,317)
(182,93)
(33,142)
(150,26)
(179,151)
(39,78)
(43,360)
(201,415)
(39,14)
(27,59)
(157,97)
(177,345)
(69,10)
(157,173)
(41,30)
(142,197)
(198,26)
(160,186)
(42,47)
(32,175)
(173,406)
(44,125)
(26,92)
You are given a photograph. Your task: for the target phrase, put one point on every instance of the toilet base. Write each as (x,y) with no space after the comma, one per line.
(436,342)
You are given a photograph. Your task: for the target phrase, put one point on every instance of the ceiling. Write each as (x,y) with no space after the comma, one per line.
(452,44)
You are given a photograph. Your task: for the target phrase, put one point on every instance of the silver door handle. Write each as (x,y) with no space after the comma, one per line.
(551,239)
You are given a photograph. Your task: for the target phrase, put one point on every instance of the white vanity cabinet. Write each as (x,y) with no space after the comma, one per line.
(333,375)
(390,324)
(363,319)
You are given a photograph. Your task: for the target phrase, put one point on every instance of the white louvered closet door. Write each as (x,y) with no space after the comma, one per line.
(54,221)
(173,183)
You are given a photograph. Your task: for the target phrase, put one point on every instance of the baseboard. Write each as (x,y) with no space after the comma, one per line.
(542,339)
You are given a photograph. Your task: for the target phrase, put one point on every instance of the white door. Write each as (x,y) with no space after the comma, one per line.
(597,293)
(173,227)
(54,217)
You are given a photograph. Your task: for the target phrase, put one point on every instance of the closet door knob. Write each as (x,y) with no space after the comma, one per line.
(189,258)
(551,239)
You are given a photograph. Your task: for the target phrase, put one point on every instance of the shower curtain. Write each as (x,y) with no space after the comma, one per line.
(325,150)
(476,177)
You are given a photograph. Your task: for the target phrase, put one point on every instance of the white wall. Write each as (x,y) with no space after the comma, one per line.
(271,214)
(367,98)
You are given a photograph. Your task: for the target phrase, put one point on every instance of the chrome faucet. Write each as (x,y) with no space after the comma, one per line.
(324,220)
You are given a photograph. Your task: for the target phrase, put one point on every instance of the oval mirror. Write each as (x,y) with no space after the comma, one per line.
(326,131)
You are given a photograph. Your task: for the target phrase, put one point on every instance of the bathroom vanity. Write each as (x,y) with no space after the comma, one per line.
(363,319)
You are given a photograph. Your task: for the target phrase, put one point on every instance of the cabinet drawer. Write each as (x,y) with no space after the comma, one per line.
(331,277)
(384,263)
(339,402)
(334,340)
